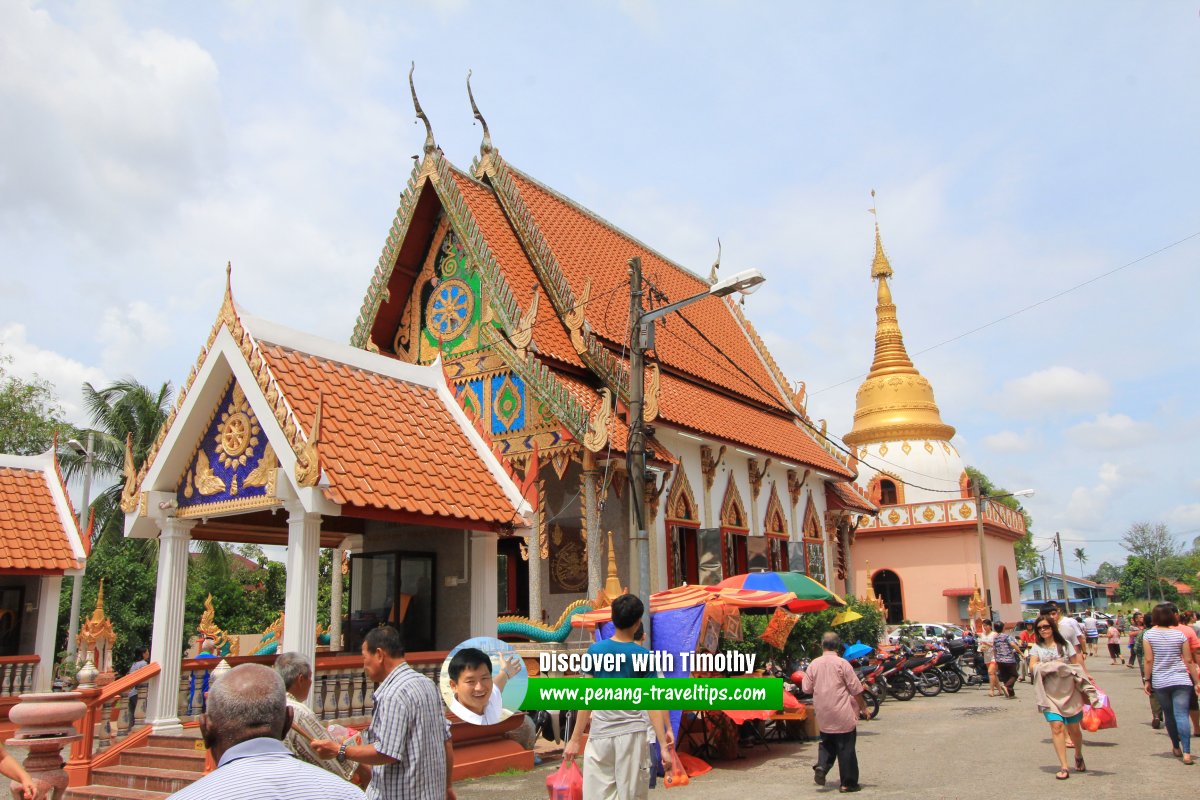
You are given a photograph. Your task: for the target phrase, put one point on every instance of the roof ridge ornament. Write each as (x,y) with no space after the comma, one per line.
(712,273)
(308,466)
(485,146)
(430,144)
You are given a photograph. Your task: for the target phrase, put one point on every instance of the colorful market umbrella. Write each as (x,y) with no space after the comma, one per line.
(810,595)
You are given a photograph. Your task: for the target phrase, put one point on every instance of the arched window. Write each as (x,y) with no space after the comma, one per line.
(775,527)
(735,556)
(1005,585)
(887,588)
(683,524)
(887,492)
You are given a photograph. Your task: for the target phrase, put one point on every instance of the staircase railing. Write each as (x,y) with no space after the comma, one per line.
(100,726)
(340,689)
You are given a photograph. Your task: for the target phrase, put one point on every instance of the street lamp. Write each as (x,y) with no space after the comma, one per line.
(642,339)
(983,564)
(88,454)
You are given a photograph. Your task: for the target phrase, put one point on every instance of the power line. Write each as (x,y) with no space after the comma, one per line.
(1029,307)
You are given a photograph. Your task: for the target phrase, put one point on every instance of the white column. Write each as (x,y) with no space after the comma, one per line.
(46,636)
(166,640)
(483,586)
(335,600)
(300,604)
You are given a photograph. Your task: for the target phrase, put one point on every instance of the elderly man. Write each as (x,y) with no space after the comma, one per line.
(297,675)
(838,703)
(409,749)
(246,719)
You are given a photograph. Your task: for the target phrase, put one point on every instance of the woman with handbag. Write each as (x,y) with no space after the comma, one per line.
(1169,672)
(1058,699)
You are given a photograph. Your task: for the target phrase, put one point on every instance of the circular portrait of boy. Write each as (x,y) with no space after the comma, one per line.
(483,680)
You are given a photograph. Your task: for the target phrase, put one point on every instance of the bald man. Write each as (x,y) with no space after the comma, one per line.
(246,720)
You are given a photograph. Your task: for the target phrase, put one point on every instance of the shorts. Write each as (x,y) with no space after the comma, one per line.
(1052,717)
(1006,670)
(1092,639)
(1114,649)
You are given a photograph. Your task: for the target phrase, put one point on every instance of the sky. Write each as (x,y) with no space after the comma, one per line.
(1018,150)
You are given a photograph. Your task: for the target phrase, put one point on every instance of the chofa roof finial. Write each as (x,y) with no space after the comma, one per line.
(486,145)
(430,144)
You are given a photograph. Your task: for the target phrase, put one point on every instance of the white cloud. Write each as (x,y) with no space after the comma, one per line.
(1008,442)
(66,374)
(1088,505)
(1054,390)
(1185,518)
(104,128)
(1110,432)
(128,336)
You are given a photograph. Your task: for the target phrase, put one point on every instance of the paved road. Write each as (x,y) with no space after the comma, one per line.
(964,745)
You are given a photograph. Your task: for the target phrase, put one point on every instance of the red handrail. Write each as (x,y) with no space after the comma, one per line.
(80,765)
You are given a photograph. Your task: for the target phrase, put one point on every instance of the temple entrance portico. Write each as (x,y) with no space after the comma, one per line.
(279,438)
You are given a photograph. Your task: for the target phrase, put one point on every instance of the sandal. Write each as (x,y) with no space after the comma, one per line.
(1062,775)
(1079,765)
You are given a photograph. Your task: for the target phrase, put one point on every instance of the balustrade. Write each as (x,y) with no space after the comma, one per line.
(16,675)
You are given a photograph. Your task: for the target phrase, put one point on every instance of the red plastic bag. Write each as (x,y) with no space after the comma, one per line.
(677,775)
(1099,718)
(566,783)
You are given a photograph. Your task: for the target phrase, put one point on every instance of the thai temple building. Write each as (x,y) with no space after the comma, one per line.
(921,554)
(467,450)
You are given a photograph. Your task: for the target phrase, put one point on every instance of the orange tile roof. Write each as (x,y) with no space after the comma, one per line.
(724,417)
(847,495)
(388,444)
(35,532)
(587,246)
(549,332)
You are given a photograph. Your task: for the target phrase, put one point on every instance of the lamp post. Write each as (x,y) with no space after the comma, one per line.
(641,340)
(77,584)
(983,563)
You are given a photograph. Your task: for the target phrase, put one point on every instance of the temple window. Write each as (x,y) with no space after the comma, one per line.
(887,492)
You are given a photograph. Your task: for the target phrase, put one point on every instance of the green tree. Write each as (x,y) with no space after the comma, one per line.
(1106,573)
(1140,580)
(1081,557)
(1027,555)
(1154,545)
(804,641)
(30,416)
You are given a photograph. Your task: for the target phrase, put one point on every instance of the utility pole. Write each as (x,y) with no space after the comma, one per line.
(1062,572)
(637,436)
(77,583)
(1045,581)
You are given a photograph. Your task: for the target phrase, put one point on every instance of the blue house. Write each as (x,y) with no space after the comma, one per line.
(1080,593)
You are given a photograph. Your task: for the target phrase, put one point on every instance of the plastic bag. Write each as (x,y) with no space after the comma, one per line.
(677,775)
(565,783)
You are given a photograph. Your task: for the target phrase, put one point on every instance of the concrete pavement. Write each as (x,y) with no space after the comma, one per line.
(964,745)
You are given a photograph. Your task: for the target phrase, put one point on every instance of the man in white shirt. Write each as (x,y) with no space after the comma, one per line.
(477,695)
(1071,630)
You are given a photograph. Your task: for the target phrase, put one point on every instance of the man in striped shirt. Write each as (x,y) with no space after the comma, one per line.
(409,749)
(246,719)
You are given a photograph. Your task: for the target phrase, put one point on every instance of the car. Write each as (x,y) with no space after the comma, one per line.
(928,632)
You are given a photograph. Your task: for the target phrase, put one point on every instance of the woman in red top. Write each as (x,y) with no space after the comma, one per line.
(1025,638)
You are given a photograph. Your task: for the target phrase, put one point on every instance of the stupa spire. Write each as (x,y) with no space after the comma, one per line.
(895,402)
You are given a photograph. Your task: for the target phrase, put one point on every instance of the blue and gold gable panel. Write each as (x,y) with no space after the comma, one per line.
(233,467)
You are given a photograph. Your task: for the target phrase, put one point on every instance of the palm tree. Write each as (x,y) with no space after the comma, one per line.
(1081,557)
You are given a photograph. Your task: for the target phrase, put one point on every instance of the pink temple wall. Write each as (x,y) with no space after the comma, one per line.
(928,563)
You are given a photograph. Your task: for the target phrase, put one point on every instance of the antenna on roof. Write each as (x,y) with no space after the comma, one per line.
(486,145)
(430,144)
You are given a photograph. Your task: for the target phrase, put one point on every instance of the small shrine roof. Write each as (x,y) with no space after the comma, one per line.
(845,494)
(39,533)
(388,441)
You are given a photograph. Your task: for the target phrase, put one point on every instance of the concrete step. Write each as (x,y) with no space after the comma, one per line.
(182,742)
(164,758)
(111,793)
(154,779)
